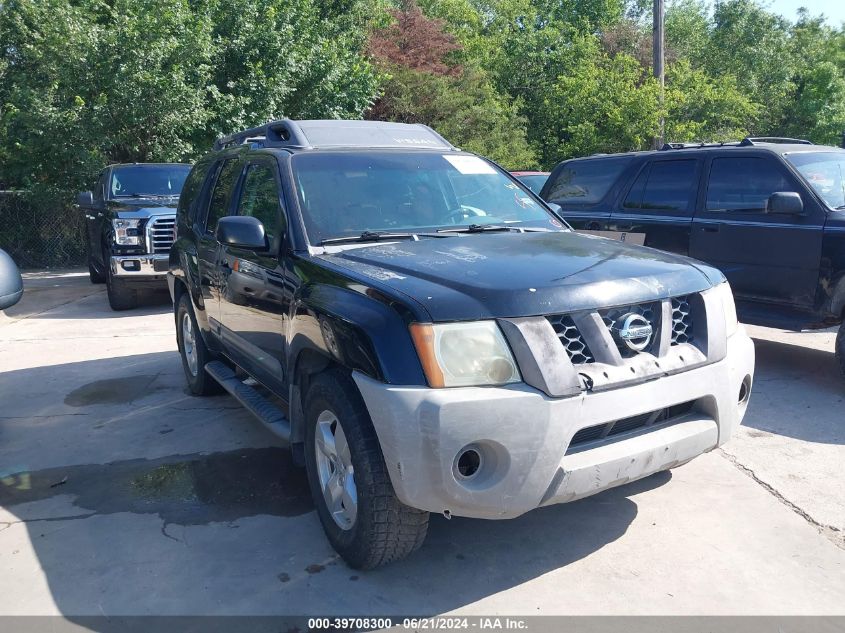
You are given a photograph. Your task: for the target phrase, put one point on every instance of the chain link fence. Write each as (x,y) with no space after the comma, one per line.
(39,237)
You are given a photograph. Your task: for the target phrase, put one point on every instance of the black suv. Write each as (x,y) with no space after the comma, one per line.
(130,218)
(768,212)
(429,337)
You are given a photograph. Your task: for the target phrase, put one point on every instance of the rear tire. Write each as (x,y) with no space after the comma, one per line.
(193,351)
(840,347)
(367,525)
(120,297)
(93,275)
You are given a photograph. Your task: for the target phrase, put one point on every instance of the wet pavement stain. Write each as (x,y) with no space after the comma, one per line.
(283,577)
(182,489)
(111,391)
(315,568)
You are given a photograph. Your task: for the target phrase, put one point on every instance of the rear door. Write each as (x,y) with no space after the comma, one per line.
(766,257)
(208,252)
(585,188)
(253,297)
(657,208)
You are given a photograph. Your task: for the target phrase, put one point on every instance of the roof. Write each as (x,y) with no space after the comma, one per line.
(770,144)
(149,164)
(316,134)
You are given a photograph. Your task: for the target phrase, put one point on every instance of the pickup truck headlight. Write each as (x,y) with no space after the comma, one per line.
(464,354)
(729,307)
(126,232)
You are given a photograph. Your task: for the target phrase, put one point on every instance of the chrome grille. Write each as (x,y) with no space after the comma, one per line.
(161,233)
(649,311)
(681,320)
(571,339)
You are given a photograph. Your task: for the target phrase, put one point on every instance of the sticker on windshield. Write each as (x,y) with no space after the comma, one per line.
(470,165)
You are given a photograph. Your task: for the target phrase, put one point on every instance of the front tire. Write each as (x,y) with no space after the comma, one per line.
(363,519)
(120,297)
(93,275)
(840,347)
(193,350)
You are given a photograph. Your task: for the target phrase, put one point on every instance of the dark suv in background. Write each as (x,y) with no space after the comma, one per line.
(768,212)
(130,226)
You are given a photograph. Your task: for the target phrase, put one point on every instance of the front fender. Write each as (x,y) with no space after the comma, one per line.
(355,330)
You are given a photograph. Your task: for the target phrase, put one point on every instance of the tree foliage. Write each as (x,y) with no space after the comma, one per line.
(527,82)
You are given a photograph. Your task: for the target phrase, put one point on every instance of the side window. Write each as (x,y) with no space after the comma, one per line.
(192,189)
(221,195)
(260,198)
(585,181)
(634,199)
(744,183)
(670,187)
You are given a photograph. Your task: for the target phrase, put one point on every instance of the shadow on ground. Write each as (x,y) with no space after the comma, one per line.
(103,529)
(798,392)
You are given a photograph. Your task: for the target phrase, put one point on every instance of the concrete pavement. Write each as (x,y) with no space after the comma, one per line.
(120,494)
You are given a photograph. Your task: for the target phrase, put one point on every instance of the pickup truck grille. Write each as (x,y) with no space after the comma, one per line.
(578,346)
(161,233)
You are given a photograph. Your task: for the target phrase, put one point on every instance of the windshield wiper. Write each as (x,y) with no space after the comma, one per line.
(375,236)
(148,195)
(481,228)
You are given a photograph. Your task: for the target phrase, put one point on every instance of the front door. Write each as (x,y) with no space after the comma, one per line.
(766,257)
(208,251)
(253,297)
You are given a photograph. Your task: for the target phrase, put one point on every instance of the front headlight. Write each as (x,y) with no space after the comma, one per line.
(729,307)
(126,232)
(464,354)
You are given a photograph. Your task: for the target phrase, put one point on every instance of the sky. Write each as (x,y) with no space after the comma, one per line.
(834,10)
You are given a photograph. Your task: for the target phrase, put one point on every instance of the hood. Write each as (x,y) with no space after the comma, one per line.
(142,207)
(490,275)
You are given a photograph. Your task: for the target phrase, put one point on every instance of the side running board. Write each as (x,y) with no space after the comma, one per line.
(268,413)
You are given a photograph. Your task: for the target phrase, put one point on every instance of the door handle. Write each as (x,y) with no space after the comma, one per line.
(710,229)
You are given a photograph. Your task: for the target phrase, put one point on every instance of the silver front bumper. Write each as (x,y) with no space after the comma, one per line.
(523,435)
(140,266)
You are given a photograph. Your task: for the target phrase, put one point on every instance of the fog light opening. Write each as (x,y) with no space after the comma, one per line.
(469,463)
(745,390)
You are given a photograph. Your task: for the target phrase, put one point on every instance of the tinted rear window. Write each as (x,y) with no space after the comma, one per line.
(586,181)
(667,185)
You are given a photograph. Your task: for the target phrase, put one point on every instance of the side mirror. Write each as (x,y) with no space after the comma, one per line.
(85,199)
(785,203)
(242,231)
(554,206)
(11,284)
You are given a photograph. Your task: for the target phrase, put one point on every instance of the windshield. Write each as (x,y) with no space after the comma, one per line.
(344,194)
(825,171)
(148,180)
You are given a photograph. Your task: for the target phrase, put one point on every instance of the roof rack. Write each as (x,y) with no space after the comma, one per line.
(668,146)
(753,140)
(746,142)
(336,133)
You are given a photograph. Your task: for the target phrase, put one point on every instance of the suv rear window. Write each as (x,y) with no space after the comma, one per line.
(586,181)
(667,185)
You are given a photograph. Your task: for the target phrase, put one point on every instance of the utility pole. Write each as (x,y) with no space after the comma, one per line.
(658,64)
